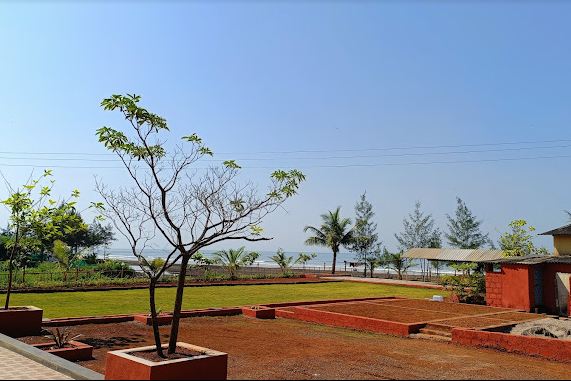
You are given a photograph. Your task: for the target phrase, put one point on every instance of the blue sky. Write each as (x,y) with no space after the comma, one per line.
(254,77)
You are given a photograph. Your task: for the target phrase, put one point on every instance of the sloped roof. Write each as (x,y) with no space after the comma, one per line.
(534,260)
(563,230)
(455,255)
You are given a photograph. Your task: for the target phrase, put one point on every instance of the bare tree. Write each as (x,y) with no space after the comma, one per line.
(189,207)
(136,226)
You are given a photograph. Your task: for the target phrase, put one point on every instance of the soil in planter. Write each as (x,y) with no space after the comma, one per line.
(53,347)
(181,353)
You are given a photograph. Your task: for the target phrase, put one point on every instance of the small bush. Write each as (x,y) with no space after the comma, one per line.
(114,269)
(4,266)
(469,288)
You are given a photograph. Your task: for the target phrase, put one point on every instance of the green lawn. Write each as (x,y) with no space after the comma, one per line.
(74,304)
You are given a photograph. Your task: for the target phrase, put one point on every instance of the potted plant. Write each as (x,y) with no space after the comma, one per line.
(188,209)
(190,363)
(65,346)
(259,312)
(33,219)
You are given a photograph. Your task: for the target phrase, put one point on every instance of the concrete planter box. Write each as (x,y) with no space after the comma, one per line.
(21,321)
(163,319)
(259,313)
(76,351)
(122,365)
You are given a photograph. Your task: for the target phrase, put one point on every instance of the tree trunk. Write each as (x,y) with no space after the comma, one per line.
(334,261)
(178,304)
(10,276)
(11,268)
(154,320)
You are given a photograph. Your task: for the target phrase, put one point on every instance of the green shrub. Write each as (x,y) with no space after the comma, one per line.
(469,288)
(46,267)
(114,268)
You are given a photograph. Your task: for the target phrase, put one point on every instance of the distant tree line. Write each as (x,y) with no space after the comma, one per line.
(419,231)
(75,242)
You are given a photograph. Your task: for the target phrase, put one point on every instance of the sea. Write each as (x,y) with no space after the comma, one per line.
(322,261)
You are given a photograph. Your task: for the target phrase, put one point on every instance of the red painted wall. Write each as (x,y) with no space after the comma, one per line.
(554,349)
(549,283)
(510,288)
(513,286)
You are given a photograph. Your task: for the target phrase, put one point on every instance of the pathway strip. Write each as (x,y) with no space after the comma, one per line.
(14,366)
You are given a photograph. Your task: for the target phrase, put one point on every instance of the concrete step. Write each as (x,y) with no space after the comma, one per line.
(435,332)
(439,327)
(424,336)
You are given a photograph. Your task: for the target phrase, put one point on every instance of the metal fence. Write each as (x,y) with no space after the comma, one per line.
(29,278)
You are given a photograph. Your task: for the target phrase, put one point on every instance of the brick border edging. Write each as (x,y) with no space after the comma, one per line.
(552,349)
(317,302)
(48,360)
(62,322)
(335,319)
(109,319)
(222,311)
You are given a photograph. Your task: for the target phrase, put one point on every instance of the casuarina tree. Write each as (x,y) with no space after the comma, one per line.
(177,196)
(419,231)
(334,232)
(464,229)
(365,242)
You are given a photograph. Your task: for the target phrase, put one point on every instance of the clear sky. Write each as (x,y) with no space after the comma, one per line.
(346,79)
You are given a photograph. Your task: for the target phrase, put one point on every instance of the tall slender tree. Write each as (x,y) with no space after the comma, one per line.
(464,229)
(189,208)
(365,244)
(334,232)
(419,231)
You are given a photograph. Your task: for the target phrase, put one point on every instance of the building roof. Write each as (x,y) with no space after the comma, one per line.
(534,260)
(563,230)
(455,255)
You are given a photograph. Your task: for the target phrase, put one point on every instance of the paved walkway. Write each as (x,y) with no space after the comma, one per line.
(14,366)
(392,282)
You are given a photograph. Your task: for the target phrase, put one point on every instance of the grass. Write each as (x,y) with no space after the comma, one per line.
(94,303)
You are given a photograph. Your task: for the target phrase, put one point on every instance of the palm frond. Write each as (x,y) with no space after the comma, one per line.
(316,241)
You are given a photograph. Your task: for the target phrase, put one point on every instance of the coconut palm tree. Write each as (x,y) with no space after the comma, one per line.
(283,261)
(335,231)
(234,259)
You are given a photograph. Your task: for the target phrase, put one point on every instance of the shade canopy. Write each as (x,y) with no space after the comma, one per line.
(455,255)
